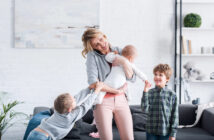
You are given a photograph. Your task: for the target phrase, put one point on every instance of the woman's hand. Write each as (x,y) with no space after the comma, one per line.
(92,86)
(99,86)
(123,89)
(147,86)
(122,61)
(119,60)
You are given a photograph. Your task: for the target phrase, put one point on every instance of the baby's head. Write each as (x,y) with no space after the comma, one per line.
(162,74)
(130,52)
(64,103)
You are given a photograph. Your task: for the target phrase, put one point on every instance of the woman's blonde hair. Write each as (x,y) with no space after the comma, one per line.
(89,34)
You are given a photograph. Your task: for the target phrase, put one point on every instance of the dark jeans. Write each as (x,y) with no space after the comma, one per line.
(156,137)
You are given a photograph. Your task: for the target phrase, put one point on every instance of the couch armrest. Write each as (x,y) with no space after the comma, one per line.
(187,114)
(40,109)
(207,120)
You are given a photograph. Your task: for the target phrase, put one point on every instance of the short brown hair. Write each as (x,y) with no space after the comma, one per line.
(163,68)
(62,103)
(129,50)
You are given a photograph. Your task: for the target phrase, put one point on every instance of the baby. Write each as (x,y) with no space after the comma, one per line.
(117,77)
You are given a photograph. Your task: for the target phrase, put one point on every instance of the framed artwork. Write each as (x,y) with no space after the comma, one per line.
(53,23)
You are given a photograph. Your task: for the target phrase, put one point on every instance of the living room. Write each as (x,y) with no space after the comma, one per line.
(36,76)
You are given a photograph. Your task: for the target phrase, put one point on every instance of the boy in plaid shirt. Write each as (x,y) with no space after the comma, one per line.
(161,105)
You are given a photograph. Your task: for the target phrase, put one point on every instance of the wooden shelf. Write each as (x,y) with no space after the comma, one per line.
(197,55)
(196,29)
(203,81)
(196,2)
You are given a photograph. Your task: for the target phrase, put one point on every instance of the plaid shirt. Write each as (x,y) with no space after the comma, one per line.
(161,105)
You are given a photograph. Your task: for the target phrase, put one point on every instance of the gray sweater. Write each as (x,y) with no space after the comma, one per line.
(59,125)
(98,68)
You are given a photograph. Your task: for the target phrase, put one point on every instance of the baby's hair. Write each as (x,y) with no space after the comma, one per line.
(62,103)
(129,50)
(163,68)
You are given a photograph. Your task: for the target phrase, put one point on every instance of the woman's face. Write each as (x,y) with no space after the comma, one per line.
(101,44)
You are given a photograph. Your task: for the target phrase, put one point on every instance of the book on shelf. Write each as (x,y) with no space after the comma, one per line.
(186,46)
(189,44)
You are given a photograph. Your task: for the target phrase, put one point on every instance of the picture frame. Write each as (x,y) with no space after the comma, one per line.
(53,23)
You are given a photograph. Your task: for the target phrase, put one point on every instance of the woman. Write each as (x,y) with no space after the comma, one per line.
(96,47)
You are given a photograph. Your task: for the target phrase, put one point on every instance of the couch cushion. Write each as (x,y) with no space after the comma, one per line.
(139,121)
(194,133)
(88,117)
(135,109)
(139,135)
(207,120)
(187,114)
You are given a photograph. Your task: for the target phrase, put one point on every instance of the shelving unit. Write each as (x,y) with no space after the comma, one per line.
(198,29)
(197,55)
(204,81)
(202,31)
(196,2)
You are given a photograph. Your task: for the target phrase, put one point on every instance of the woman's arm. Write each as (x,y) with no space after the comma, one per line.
(92,74)
(109,89)
(91,68)
(126,67)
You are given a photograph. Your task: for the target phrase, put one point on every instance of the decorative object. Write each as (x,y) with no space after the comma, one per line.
(187,97)
(202,50)
(184,45)
(7,114)
(212,76)
(53,23)
(192,20)
(196,101)
(192,73)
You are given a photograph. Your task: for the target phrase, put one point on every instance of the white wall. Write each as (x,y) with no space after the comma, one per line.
(37,76)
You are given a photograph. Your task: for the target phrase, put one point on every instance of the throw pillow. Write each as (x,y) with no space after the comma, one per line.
(139,121)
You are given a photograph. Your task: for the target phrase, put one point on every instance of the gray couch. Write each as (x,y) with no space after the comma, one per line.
(204,130)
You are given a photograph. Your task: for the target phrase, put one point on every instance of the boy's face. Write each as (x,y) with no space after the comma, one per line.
(160,79)
(73,106)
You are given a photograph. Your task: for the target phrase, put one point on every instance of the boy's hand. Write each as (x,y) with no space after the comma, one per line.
(92,86)
(147,86)
(171,138)
(99,86)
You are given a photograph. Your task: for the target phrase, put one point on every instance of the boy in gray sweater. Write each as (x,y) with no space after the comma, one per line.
(65,115)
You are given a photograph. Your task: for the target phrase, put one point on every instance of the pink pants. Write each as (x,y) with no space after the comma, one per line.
(118,108)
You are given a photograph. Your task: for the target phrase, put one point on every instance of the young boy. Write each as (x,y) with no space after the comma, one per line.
(161,105)
(65,115)
(117,77)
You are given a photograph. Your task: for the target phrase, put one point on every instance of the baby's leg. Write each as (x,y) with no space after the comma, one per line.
(99,98)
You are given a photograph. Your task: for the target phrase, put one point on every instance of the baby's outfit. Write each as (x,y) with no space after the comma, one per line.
(117,77)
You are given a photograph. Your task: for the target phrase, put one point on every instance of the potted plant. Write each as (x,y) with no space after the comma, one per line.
(192,20)
(7,114)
